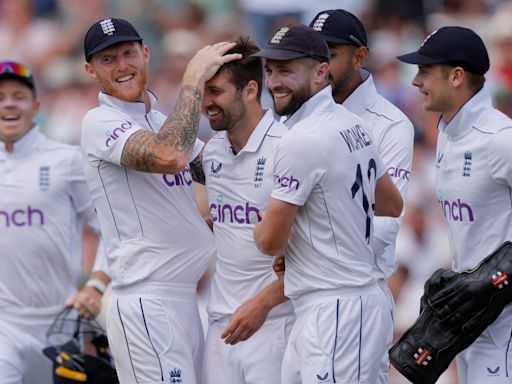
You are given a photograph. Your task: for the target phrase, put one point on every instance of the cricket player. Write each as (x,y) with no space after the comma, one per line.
(473,175)
(328,180)
(247,307)
(156,242)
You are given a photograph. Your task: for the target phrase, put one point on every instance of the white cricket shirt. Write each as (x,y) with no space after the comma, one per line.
(474,179)
(44,204)
(328,165)
(394,136)
(149,222)
(238,187)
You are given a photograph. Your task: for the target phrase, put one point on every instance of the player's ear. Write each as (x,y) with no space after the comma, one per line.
(90,70)
(251,89)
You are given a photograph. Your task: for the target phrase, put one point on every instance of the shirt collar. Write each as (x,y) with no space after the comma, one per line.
(259,133)
(319,101)
(27,143)
(363,96)
(468,115)
(133,108)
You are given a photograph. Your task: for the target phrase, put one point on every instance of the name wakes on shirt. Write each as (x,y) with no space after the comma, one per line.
(356,138)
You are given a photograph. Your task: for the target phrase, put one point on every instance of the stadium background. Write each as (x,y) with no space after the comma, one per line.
(47,35)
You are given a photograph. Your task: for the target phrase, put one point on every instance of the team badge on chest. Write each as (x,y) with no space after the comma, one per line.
(468,160)
(44,177)
(258,174)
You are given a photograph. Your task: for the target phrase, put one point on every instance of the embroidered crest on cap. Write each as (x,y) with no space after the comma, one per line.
(428,37)
(107,26)
(320,21)
(276,39)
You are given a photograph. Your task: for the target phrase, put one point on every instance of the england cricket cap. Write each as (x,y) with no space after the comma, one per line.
(455,46)
(17,71)
(107,32)
(338,26)
(293,42)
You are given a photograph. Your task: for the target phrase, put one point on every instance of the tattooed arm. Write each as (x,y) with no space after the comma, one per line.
(196,169)
(168,150)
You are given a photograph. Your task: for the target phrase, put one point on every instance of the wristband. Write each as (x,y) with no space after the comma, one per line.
(98,284)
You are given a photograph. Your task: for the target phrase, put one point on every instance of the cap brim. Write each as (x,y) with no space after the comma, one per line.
(19,78)
(279,54)
(418,58)
(111,42)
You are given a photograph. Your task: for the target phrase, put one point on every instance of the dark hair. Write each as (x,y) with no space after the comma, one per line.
(248,67)
(475,81)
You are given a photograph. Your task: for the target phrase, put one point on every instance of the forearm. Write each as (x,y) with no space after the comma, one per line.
(273,295)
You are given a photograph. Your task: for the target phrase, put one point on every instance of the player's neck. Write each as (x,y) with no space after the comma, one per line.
(239,135)
(348,88)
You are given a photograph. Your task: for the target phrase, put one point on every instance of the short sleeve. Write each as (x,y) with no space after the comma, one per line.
(297,170)
(500,156)
(104,134)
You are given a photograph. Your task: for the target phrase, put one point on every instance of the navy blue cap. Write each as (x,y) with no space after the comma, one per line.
(107,32)
(456,46)
(338,26)
(295,41)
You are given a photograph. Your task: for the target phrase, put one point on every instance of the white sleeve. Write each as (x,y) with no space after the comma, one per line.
(396,150)
(100,261)
(198,147)
(294,178)
(500,156)
(104,134)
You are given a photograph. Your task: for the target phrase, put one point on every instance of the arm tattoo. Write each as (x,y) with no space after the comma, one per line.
(138,152)
(180,128)
(196,169)
(142,152)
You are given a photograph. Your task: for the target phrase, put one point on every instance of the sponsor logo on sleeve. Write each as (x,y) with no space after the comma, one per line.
(289,182)
(117,133)
(399,173)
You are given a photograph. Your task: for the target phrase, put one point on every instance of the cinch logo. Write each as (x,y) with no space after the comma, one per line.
(181,178)
(287,182)
(22,217)
(399,173)
(117,132)
(241,214)
(456,210)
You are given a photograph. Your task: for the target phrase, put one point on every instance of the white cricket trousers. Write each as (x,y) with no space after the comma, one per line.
(155,333)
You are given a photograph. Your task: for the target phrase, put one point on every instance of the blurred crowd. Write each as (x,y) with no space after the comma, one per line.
(48,36)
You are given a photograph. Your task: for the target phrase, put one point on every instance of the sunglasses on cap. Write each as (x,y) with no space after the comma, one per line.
(17,70)
(11,67)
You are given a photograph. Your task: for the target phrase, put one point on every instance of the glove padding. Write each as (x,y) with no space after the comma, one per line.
(455,309)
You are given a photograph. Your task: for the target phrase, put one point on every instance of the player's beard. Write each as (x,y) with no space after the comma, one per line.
(131,93)
(339,85)
(298,97)
(230,118)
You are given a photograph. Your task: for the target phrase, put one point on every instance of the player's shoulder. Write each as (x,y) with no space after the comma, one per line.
(276,130)
(103,114)
(215,143)
(388,113)
(492,121)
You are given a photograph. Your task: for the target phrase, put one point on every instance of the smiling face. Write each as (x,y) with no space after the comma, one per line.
(18,107)
(121,70)
(223,104)
(289,82)
(434,85)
